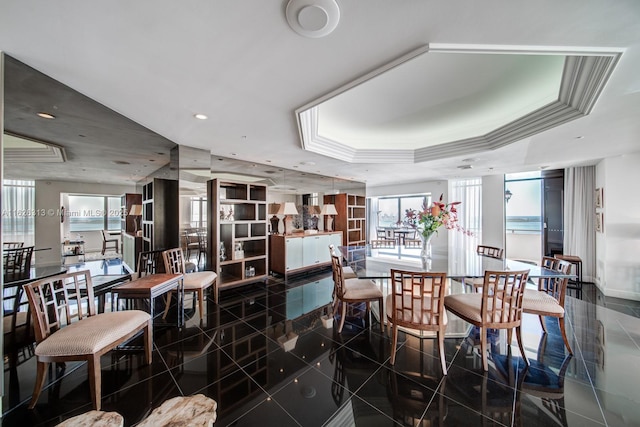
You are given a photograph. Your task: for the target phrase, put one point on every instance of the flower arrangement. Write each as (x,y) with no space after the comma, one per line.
(430,219)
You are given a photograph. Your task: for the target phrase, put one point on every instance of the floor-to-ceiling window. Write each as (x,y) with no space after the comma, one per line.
(18,211)
(523,210)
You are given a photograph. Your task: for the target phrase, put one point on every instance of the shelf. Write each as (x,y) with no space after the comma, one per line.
(238,213)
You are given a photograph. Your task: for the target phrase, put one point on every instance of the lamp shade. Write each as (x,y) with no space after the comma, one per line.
(136,210)
(329,209)
(274,208)
(289,209)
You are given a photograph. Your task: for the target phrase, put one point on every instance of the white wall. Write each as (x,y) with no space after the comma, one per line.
(493,223)
(48,229)
(618,246)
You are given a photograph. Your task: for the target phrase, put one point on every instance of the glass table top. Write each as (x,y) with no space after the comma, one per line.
(371,263)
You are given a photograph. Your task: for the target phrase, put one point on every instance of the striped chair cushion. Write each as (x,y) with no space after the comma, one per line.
(536,302)
(199,280)
(92,334)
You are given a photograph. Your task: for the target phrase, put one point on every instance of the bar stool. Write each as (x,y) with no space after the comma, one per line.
(577,262)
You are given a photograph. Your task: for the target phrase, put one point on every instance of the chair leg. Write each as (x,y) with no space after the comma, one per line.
(443,362)
(509,336)
(483,348)
(519,337)
(544,326)
(564,334)
(394,343)
(95,381)
(344,314)
(148,342)
(104,247)
(201,303)
(41,375)
(381,314)
(166,309)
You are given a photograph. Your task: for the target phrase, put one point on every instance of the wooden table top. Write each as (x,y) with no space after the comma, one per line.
(148,283)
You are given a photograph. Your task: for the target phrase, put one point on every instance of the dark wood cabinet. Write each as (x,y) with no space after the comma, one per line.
(160,228)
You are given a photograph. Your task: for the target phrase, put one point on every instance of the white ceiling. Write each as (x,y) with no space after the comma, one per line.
(159,62)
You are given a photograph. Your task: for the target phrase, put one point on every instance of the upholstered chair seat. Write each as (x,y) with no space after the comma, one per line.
(92,334)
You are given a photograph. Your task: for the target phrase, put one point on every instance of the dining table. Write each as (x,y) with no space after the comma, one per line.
(369,263)
(376,264)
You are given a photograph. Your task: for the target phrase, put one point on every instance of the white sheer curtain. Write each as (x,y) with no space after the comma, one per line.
(469,193)
(18,211)
(579,217)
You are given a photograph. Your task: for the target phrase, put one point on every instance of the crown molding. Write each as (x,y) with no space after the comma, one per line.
(585,74)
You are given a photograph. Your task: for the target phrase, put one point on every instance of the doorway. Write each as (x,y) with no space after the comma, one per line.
(534,205)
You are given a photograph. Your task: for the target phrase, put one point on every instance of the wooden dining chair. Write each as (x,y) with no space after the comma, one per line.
(16,263)
(347,272)
(347,291)
(489,251)
(12,245)
(197,282)
(108,242)
(499,306)
(416,301)
(383,244)
(548,300)
(68,328)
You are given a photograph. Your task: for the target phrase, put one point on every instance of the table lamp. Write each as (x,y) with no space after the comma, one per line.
(329,210)
(135,212)
(288,209)
(275,221)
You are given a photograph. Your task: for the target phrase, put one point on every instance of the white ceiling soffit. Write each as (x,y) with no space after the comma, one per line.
(467,99)
(18,149)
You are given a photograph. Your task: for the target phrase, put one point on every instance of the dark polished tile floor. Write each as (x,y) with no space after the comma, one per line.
(265,356)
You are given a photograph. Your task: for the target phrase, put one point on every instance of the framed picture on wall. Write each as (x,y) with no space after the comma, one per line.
(599,222)
(599,198)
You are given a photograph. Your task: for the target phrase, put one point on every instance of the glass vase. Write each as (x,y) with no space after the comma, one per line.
(425,251)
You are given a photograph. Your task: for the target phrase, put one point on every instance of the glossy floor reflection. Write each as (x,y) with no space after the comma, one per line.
(265,355)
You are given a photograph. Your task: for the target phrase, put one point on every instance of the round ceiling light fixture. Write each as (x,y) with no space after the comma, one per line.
(313,18)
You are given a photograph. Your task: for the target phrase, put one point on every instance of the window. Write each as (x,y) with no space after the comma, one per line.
(93,213)
(18,211)
(198,212)
(391,210)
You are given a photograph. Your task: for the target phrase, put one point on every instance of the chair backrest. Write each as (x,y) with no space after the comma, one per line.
(490,251)
(502,298)
(17,316)
(418,298)
(59,300)
(173,261)
(12,245)
(17,263)
(383,244)
(202,240)
(381,233)
(338,276)
(104,235)
(556,286)
(150,262)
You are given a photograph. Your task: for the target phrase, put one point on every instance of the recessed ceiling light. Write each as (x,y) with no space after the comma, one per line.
(308,163)
(120,162)
(579,137)
(46,115)
(464,167)
(200,116)
(470,160)
(234,154)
